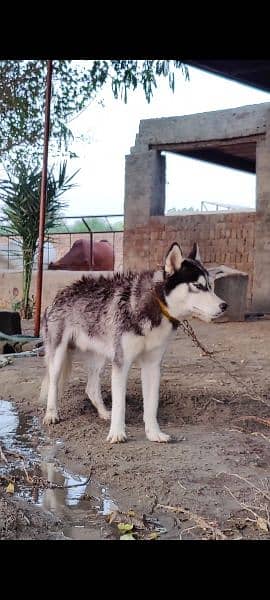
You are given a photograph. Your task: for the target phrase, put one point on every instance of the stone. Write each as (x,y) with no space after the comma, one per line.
(10,322)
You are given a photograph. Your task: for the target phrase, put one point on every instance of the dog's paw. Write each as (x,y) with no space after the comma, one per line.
(158,436)
(104,414)
(51,417)
(118,436)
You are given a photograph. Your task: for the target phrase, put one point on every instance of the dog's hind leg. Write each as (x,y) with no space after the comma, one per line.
(93,391)
(45,381)
(44,388)
(119,382)
(150,376)
(65,373)
(56,365)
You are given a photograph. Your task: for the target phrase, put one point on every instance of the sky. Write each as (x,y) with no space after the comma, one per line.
(111,129)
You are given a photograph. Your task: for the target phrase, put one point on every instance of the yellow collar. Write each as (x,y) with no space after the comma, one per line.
(175,322)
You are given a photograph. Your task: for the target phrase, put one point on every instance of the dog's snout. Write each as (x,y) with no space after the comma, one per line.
(223,306)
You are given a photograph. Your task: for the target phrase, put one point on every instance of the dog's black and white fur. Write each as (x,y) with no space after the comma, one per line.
(120,319)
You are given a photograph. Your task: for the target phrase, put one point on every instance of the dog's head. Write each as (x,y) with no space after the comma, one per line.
(189,289)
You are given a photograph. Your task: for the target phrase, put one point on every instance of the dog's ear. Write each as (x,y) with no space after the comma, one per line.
(173,259)
(195,252)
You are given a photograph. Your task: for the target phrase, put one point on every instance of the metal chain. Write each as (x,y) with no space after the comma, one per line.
(188,329)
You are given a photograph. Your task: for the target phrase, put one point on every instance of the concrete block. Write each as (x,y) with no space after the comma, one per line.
(232,287)
(10,322)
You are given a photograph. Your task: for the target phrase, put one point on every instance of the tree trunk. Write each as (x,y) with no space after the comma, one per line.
(28,262)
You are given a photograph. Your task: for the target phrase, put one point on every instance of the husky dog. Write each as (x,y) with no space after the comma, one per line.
(122,319)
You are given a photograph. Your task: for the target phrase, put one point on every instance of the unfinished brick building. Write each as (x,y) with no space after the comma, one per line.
(238,138)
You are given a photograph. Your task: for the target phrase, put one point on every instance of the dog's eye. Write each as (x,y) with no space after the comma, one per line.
(199,286)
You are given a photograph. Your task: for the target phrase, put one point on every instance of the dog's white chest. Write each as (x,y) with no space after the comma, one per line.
(158,336)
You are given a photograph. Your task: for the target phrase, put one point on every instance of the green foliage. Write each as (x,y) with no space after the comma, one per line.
(179,211)
(96,224)
(93,223)
(74,85)
(19,306)
(79,226)
(20,195)
(118,226)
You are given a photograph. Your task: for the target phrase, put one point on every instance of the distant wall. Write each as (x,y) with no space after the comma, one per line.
(52,282)
(223,238)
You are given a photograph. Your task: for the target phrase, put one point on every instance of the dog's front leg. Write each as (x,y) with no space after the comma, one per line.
(150,375)
(119,382)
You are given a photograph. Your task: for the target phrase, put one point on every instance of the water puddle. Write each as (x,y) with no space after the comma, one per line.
(79,503)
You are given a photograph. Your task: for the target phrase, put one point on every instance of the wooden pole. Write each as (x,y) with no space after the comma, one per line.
(43,199)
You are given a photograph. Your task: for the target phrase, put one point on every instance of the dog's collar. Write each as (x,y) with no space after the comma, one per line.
(175,322)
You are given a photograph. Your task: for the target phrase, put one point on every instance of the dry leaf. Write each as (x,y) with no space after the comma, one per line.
(262,524)
(10,488)
(112,517)
(129,518)
(125,526)
(153,536)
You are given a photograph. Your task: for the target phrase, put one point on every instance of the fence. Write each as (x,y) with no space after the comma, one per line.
(59,240)
(224,207)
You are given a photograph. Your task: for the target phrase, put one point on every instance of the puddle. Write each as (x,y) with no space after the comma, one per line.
(80,504)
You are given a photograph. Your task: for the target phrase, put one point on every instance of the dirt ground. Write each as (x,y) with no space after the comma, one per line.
(211,482)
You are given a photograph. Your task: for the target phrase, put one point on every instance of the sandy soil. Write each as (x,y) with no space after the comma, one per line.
(212,480)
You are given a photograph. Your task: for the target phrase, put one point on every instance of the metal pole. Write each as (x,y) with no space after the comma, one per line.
(43,194)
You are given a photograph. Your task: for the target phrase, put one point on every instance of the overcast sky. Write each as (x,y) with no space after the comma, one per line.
(112,130)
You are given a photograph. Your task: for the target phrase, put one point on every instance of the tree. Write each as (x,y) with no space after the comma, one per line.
(95,224)
(74,85)
(20,194)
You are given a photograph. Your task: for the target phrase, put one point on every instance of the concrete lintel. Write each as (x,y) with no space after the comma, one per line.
(222,144)
(231,123)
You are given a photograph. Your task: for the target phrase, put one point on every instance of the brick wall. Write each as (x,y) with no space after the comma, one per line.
(223,238)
